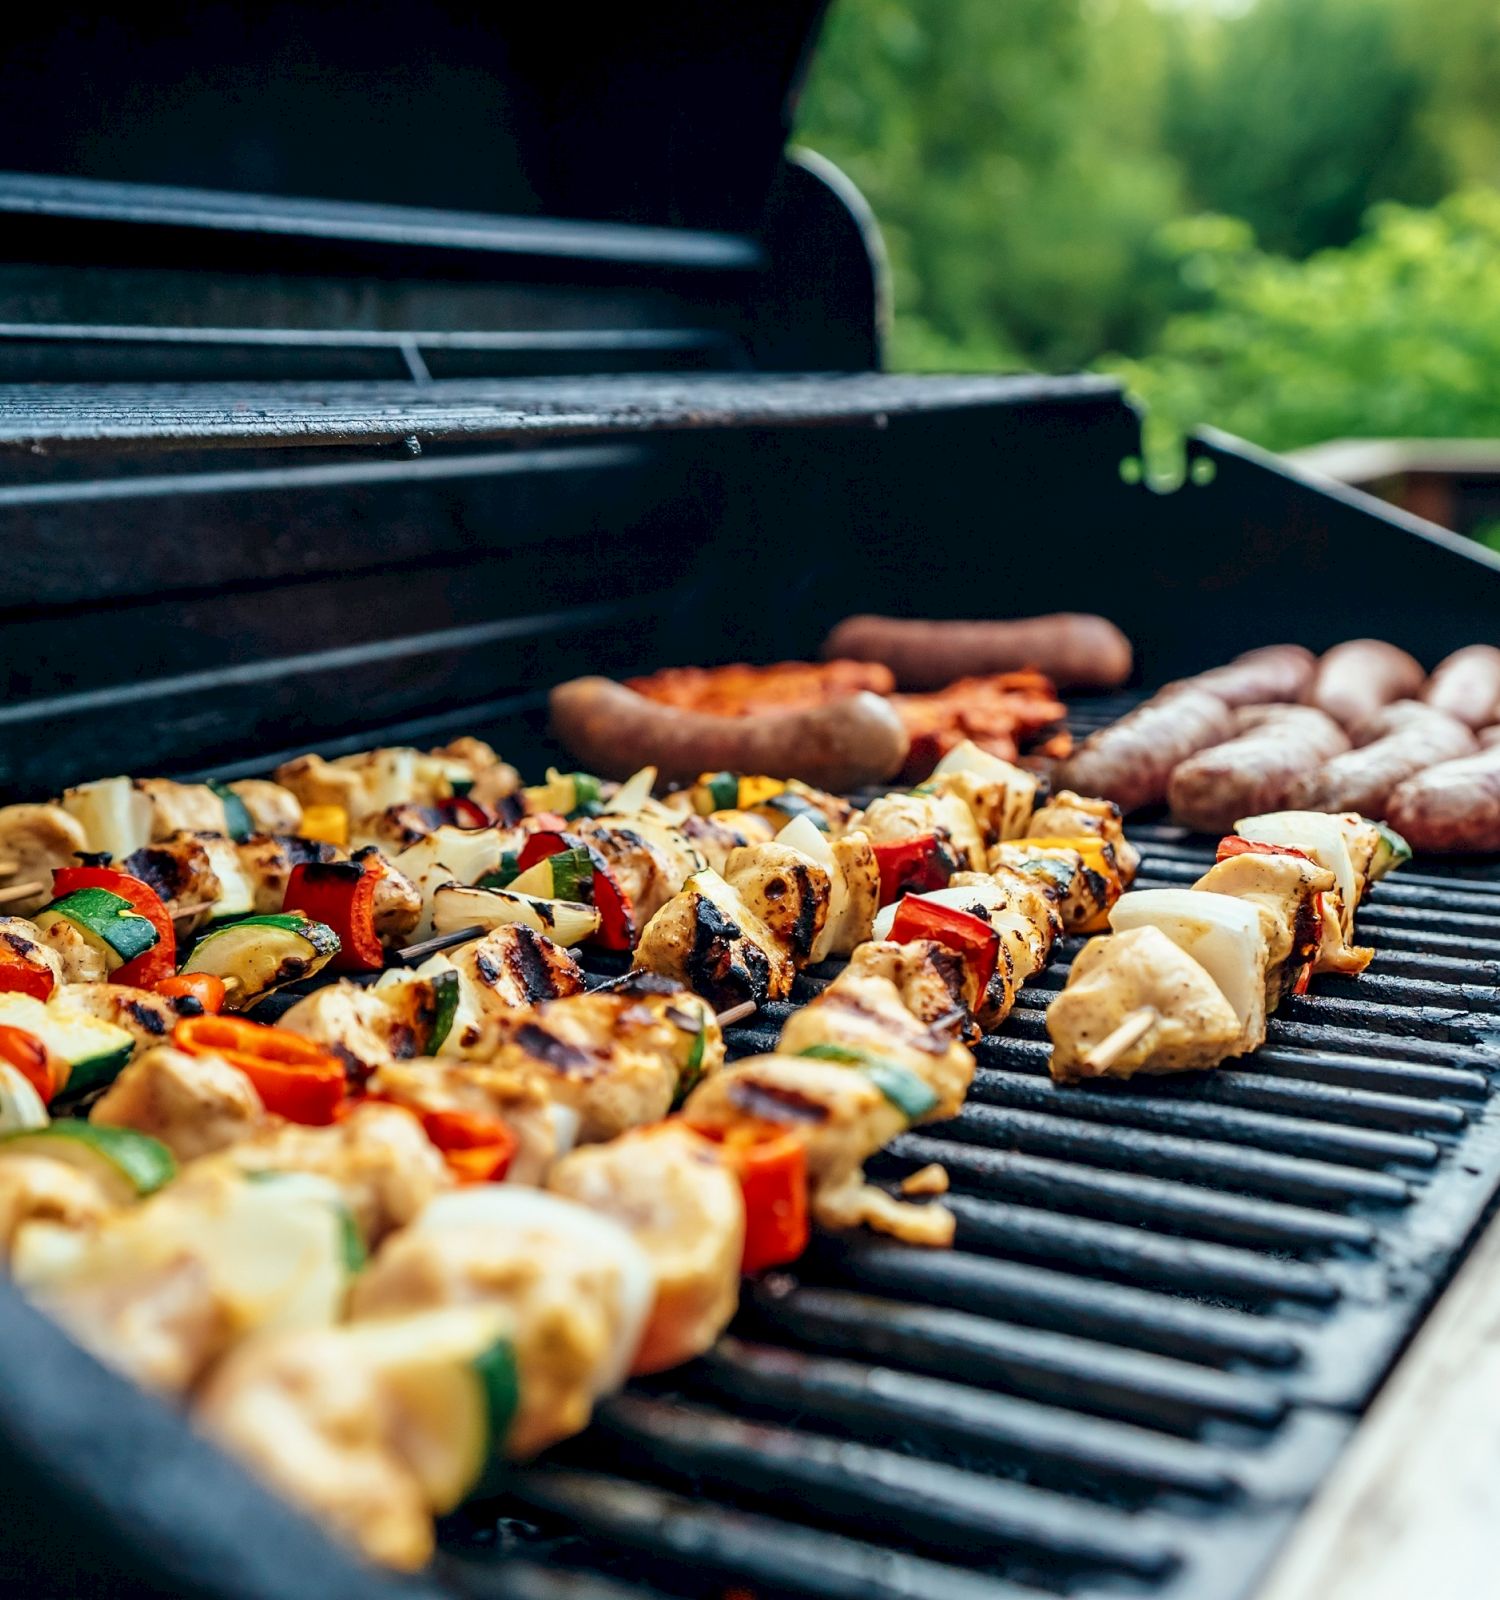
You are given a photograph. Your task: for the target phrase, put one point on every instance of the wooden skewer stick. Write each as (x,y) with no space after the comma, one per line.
(443,941)
(193,908)
(1131,1030)
(21,891)
(8,864)
(746,1008)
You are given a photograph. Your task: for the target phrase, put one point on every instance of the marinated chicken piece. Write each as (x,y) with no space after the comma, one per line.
(1027,934)
(147,1017)
(398,901)
(491,779)
(788,891)
(841,1118)
(577,1288)
(194,1104)
(35,1189)
(863,1012)
(362,784)
(999,794)
(854,900)
(21,941)
(618,1058)
(709,940)
(1286,891)
(510,968)
(367,1027)
(650,861)
(34,841)
(1081,894)
(398,827)
(179,867)
(272,808)
(513,1092)
(1033,897)
(1185,1023)
(1067,815)
(933,981)
(803,799)
(383,1164)
(671,1189)
(79,959)
(182,807)
(894,817)
(267,861)
(718,836)
(315,1425)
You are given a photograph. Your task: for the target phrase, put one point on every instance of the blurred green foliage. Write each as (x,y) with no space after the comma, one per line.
(1196,194)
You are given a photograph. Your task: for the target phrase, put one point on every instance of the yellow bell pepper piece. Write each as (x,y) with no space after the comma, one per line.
(326,824)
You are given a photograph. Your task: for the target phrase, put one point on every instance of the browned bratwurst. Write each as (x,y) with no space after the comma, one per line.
(1130,761)
(615,731)
(1454,806)
(1403,739)
(1359,676)
(1275,674)
(1254,771)
(1074,649)
(1467,685)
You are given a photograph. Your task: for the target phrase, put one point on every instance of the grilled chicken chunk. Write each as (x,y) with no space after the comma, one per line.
(1286,890)
(709,940)
(577,1288)
(148,1018)
(618,1058)
(1067,815)
(1082,894)
(863,1012)
(672,1189)
(366,1027)
(378,1157)
(272,808)
(650,861)
(999,795)
(181,870)
(35,1189)
(34,841)
(195,1105)
(932,980)
(21,941)
(716,837)
(894,817)
(787,891)
(78,959)
(510,968)
(182,807)
(1191,1024)
(491,779)
(267,861)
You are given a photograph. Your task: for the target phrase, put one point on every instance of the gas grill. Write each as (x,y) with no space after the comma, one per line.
(290,457)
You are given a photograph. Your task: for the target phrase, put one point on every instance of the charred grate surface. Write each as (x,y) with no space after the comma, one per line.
(1168,1305)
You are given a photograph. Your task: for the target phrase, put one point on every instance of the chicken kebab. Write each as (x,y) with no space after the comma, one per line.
(1188,977)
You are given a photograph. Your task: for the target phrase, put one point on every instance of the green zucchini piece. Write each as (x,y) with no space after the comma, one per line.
(1391,852)
(445,992)
(692,1068)
(263,953)
(910,1095)
(505,875)
(793,805)
(564,875)
(130,1164)
(93,1050)
(108,921)
(238,823)
(723,790)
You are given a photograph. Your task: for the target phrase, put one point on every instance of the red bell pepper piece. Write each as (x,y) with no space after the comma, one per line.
(460,811)
(21,975)
(30,1057)
(342,895)
(294,1077)
(151,966)
(203,987)
(616,929)
(912,865)
(1232,845)
(972,937)
(772,1168)
(478,1149)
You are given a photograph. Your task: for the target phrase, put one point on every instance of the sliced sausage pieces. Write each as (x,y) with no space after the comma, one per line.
(1254,771)
(1274,674)
(1076,650)
(1467,685)
(1454,806)
(1130,761)
(1356,678)
(1404,739)
(615,731)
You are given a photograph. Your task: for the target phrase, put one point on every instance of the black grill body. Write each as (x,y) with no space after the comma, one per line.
(299,451)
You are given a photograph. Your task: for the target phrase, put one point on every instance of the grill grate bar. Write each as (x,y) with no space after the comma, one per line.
(1079,1373)
(944,1508)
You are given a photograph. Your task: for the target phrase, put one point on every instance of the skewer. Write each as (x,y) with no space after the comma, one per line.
(8,865)
(192,908)
(412,953)
(1131,1030)
(746,1008)
(21,891)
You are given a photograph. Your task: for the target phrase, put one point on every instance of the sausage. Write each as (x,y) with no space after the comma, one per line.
(615,731)
(1130,761)
(1254,771)
(1454,806)
(1402,740)
(1074,649)
(1276,674)
(1467,685)
(1359,676)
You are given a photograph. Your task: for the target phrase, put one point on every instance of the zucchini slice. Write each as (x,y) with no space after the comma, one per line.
(238,823)
(263,953)
(108,921)
(93,1051)
(565,875)
(563,921)
(130,1165)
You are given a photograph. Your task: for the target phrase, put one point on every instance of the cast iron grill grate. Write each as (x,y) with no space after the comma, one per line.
(1168,1304)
